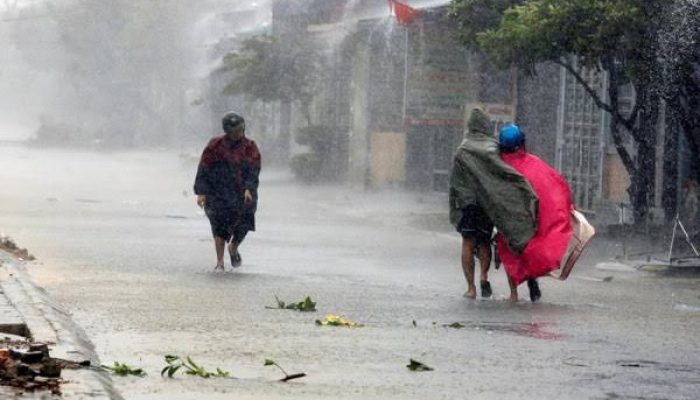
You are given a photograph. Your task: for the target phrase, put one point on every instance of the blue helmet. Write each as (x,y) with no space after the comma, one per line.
(511,138)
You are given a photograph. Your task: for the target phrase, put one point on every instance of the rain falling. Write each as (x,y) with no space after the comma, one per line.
(351,199)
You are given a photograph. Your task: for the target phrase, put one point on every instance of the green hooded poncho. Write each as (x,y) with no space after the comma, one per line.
(481,177)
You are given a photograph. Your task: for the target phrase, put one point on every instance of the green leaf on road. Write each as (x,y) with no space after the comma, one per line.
(170,358)
(173,370)
(307,305)
(123,369)
(189,367)
(415,365)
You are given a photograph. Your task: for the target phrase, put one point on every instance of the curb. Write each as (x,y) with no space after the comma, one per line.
(46,321)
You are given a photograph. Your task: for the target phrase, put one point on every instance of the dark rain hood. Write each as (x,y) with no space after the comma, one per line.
(480,177)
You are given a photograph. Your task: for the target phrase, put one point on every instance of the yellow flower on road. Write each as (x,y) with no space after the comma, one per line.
(336,320)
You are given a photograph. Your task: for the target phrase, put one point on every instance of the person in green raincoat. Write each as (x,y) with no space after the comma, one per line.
(486,192)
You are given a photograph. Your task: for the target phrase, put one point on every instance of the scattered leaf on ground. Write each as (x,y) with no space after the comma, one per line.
(287,377)
(123,369)
(336,320)
(306,305)
(415,365)
(189,367)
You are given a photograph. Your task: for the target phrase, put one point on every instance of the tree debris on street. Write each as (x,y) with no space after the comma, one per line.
(122,369)
(415,365)
(287,377)
(306,305)
(189,367)
(336,320)
(10,246)
(28,367)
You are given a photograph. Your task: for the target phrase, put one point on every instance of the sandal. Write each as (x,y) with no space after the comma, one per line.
(486,289)
(236,260)
(535,292)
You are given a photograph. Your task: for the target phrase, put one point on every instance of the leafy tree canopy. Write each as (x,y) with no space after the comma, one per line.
(268,71)
(617,36)
(524,33)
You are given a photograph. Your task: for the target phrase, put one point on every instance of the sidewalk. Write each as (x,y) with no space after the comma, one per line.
(27,311)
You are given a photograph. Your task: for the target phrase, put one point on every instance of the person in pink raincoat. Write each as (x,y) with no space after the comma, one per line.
(545,251)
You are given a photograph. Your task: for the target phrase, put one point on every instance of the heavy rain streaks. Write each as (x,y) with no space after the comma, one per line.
(357,108)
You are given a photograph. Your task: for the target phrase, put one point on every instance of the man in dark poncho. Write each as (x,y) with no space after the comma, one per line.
(227,187)
(485,191)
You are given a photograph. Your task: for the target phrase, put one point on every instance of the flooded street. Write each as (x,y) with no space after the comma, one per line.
(121,244)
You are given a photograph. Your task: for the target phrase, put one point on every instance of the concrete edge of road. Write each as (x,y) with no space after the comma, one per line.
(46,321)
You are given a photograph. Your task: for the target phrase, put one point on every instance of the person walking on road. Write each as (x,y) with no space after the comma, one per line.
(485,191)
(227,187)
(545,251)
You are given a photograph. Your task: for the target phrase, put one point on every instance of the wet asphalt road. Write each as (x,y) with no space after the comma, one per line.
(122,245)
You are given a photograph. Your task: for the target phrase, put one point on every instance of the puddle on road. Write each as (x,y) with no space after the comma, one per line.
(686,307)
(662,366)
(88,201)
(536,330)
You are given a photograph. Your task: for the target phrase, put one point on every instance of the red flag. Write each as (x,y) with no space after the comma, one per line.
(404,13)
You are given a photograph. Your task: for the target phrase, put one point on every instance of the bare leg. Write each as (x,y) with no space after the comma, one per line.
(513,291)
(468,266)
(219,243)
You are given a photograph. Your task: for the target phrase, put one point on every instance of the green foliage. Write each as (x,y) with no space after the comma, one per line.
(254,68)
(476,16)
(123,369)
(268,70)
(533,31)
(318,164)
(306,167)
(318,137)
(306,305)
(189,367)
(415,365)
(620,37)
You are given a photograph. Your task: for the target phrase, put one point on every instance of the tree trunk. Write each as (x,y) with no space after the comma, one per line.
(285,135)
(688,104)
(642,189)
(670,184)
